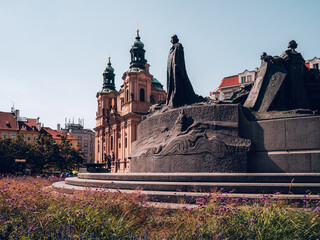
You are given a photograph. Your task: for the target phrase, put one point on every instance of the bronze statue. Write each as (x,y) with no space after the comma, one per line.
(282,83)
(295,86)
(179,89)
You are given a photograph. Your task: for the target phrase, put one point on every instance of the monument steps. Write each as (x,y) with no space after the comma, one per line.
(174,187)
(206,177)
(239,187)
(174,196)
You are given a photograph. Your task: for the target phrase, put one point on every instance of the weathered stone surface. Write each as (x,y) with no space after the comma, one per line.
(266,87)
(287,144)
(201,138)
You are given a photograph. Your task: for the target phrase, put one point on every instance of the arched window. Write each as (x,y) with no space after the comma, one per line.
(127,97)
(142,95)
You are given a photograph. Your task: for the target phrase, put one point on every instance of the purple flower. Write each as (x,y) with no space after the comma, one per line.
(253,220)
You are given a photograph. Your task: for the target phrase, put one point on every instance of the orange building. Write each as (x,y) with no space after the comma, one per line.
(119,113)
(56,136)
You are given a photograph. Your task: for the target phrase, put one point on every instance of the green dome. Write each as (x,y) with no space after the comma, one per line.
(109,69)
(138,43)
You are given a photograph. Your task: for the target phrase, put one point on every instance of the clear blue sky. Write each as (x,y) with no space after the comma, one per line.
(53,53)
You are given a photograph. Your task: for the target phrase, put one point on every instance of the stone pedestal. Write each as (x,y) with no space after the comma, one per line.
(197,138)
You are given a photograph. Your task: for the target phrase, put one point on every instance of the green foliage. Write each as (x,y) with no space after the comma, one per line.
(42,154)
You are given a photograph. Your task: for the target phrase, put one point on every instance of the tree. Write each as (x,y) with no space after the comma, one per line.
(68,157)
(10,150)
(41,153)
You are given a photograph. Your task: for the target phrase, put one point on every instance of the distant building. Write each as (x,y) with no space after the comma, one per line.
(119,113)
(313,63)
(230,84)
(85,138)
(57,136)
(12,124)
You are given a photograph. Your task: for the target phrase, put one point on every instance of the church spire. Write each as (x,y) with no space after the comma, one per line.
(137,54)
(108,77)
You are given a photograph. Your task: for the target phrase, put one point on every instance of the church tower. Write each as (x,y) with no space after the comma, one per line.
(119,113)
(137,54)
(106,102)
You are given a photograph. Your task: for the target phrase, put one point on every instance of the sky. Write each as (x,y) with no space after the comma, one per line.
(53,53)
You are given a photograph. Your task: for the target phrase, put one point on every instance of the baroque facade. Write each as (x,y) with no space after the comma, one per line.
(119,112)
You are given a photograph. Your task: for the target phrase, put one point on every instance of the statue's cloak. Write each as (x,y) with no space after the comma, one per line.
(266,88)
(179,89)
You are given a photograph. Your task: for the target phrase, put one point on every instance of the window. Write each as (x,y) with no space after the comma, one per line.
(79,138)
(98,148)
(79,145)
(28,137)
(34,137)
(249,78)
(127,95)
(111,142)
(316,66)
(85,138)
(243,79)
(4,134)
(13,135)
(125,143)
(142,95)
(86,145)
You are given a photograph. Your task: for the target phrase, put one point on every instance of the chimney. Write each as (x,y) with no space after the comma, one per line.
(17,113)
(38,124)
(58,127)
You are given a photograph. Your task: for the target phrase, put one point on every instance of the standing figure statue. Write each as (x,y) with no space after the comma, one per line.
(295,87)
(179,89)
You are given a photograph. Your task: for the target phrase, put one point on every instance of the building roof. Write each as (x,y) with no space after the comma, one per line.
(8,121)
(30,124)
(156,84)
(229,81)
(55,134)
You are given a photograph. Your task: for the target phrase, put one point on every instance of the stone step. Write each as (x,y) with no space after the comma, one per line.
(238,187)
(207,177)
(177,196)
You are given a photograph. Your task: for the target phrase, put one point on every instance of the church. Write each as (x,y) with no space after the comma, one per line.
(119,112)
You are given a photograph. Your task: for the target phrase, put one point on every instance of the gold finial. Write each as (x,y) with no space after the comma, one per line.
(137,26)
(109,56)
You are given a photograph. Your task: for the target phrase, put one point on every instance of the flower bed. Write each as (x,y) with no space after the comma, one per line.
(28,210)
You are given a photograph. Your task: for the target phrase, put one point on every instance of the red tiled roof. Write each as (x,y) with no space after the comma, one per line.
(307,64)
(8,121)
(32,122)
(55,134)
(229,81)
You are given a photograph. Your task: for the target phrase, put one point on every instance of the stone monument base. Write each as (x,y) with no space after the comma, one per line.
(196,138)
(283,142)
